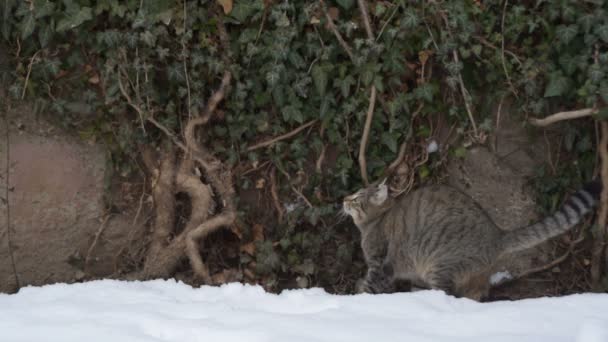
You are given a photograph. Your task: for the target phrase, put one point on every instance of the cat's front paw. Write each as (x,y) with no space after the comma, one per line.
(362,286)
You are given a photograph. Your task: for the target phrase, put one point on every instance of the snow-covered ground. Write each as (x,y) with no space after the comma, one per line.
(114,311)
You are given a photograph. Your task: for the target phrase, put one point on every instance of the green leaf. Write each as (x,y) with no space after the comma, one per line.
(319,78)
(272,77)
(243,9)
(604,91)
(346,4)
(558,84)
(27,26)
(345,84)
(43,8)
(74,19)
(292,112)
(148,38)
(586,21)
(566,33)
(390,140)
(602,32)
(596,74)
(410,20)
(569,63)
(424,92)
(602,114)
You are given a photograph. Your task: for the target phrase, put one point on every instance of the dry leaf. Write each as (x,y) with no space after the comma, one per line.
(423,56)
(226,5)
(259,184)
(257,232)
(94,79)
(249,274)
(248,248)
(333,12)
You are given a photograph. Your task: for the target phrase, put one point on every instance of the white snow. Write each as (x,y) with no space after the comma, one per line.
(432,147)
(115,311)
(500,277)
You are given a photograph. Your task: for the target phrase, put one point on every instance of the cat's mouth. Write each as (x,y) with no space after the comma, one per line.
(348,207)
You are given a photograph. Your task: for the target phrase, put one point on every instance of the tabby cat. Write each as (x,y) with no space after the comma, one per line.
(438,237)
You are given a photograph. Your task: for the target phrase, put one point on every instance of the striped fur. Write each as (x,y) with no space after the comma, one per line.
(438,237)
(569,215)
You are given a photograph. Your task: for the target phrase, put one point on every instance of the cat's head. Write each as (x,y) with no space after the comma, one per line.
(368,203)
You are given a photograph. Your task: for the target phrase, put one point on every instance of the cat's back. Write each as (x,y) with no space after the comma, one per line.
(443,212)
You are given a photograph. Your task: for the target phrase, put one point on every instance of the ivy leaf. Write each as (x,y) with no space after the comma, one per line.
(604,91)
(602,32)
(390,140)
(346,4)
(558,84)
(595,73)
(74,19)
(586,21)
(602,114)
(27,26)
(43,8)
(272,77)
(566,33)
(244,9)
(292,112)
(345,84)
(410,20)
(424,92)
(149,38)
(568,63)
(319,77)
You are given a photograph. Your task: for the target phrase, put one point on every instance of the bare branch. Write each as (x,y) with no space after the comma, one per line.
(334,29)
(553,118)
(275,195)
(27,76)
(502,48)
(281,137)
(466,96)
(102,227)
(365,17)
(7,199)
(363,144)
(599,245)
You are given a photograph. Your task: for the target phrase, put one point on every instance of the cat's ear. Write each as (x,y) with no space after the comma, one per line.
(381,194)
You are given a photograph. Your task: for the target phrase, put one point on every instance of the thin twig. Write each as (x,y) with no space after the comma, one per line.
(281,137)
(502,48)
(319,163)
(498,114)
(372,99)
(29,72)
(363,144)
(8,207)
(387,22)
(553,118)
(141,202)
(485,42)
(275,195)
(186,65)
(124,92)
(334,29)
(102,227)
(466,96)
(599,245)
(365,17)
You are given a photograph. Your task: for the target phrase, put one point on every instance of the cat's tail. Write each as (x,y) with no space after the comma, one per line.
(568,216)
